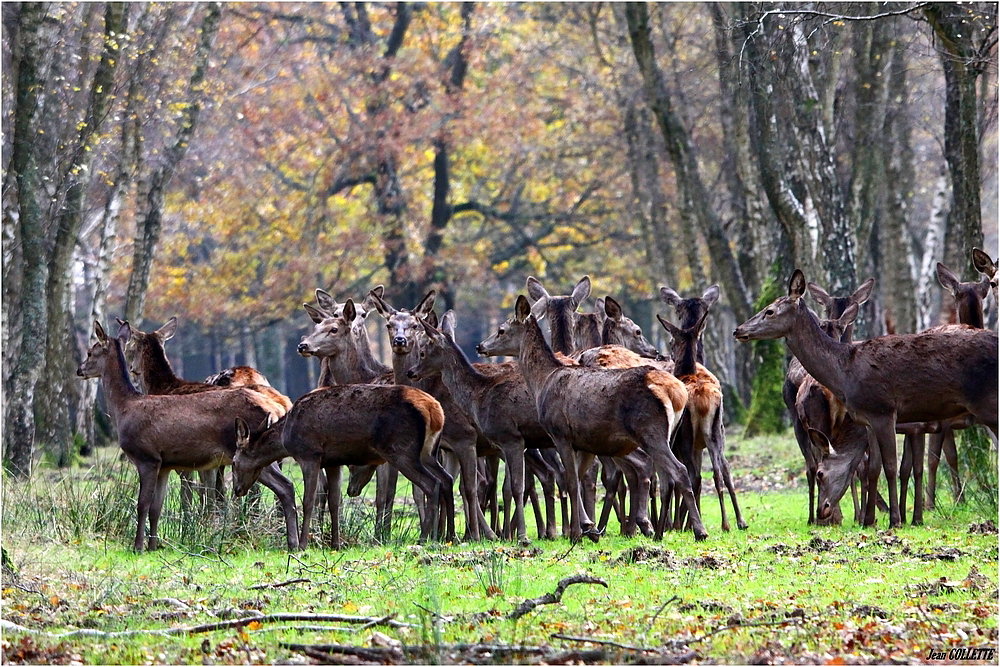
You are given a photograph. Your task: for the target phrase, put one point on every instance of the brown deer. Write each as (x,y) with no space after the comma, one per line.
(148,364)
(817,406)
(460,436)
(160,433)
(620,330)
(498,404)
(358,424)
(238,376)
(702,426)
(598,411)
(885,379)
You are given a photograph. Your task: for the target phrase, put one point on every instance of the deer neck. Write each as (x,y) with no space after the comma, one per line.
(460,376)
(536,358)
(824,358)
(402,363)
(970,311)
(157,373)
(373,367)
(347,367)
(115,382)
(269,446)
(561,330)
(686,363)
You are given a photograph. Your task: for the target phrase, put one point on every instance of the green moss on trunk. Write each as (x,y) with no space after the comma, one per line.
(766,413)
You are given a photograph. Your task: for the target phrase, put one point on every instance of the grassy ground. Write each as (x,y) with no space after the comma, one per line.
(779,592)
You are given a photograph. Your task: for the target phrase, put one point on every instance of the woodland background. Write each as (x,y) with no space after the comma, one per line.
(218,162)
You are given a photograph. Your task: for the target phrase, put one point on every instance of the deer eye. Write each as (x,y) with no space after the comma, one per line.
(819,476)
(638,332)
(769,312)
(501,331)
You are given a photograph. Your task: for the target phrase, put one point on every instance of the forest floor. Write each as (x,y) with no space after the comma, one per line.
(223,590)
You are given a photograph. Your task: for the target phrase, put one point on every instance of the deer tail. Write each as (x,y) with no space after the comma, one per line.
(433,416)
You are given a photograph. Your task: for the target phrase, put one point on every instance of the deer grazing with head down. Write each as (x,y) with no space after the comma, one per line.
(160,433)
(358,424)
(598,411)
(884,380)
(701,426)
(810,404)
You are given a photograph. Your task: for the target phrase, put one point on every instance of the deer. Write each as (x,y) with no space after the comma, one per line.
(702,426)
(148,364)
(884,380)
(969,298)
(357,424)
(498,404)
(160,433)
(597,411)
(460,436)
(815,405)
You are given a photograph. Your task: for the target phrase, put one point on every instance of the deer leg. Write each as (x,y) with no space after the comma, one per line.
(284,491)
(310,479)
(951,459)
(672,469)
(333,502)
(610,492)
(148,475)
(156,508)
(917,518)
(514,456)
(935,444)
(634,468)
(905,467)
(549,491)
(492,473)
(572,528)
(386,477)
(872,473)
(653,515)
(587,466)
(719,436)
(187,490)
(884,432)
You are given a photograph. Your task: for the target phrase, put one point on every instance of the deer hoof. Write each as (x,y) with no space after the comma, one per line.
(742,525)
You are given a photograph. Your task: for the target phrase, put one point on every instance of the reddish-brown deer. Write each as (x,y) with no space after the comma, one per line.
(701,426)
(599,411)
(810,404)
(359,424)
(885,379)
(460,436)
(160,433)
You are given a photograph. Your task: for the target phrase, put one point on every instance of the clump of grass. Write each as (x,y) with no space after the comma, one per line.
(978,462)
(490,572)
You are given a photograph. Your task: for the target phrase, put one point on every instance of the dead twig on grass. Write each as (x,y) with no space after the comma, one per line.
(555,596)
(211,627)
(300,580)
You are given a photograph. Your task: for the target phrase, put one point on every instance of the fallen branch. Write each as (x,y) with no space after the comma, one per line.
(602,642)
(555,596)
(733,626)
(661,658)
(300,580)
(210,627)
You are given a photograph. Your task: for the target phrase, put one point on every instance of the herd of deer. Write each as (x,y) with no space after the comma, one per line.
(594,389)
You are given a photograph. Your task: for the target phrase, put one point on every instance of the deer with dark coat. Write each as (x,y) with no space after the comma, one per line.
(599,411)
(359,424)
(160,433)
(885,380)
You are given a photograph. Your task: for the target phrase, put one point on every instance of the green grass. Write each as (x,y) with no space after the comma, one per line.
(796,592)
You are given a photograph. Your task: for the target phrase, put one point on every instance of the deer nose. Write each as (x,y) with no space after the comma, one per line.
(399,341)
(479,350)
(302,348)
(410,374)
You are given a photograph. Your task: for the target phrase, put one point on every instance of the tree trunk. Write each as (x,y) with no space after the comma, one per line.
(685,165)
(152,195)
(19,418)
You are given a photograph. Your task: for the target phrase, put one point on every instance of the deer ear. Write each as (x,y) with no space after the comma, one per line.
(671,329)
(669,297)
(242,433)
(99,332)
(124,333)
(581,290)
(535,289)
(325,301)
(381,307)
(982,262)
(946,278)
(349,311)
(167,331)
(711,295)
(426,305)
(369,303)
(864,292)
(820,296)
(448,321)
(601,311)
(796,284)
(315,315)
(429,330)
(850,314)
(821,443)
(612,309)
(521,309)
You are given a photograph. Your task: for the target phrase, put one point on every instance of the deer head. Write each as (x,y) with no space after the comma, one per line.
(987,266)
(507,339)
(620,330)
(331,332)
(403,325)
